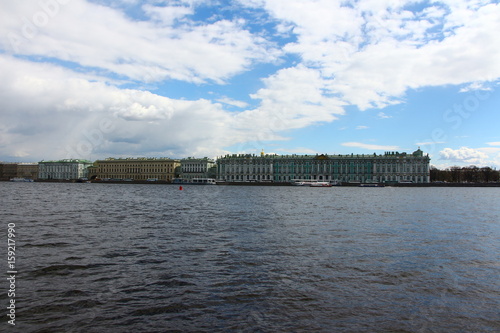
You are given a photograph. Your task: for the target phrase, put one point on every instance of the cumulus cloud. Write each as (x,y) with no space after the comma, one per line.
(232,102)
(64,114)
(493,154)
(372,53)
(96,36)
(382,115)
(71,70)
(69,114)
(293,98)
(464,155)
(474,86)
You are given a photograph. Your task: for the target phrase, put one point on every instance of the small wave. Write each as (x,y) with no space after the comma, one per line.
(58,270)
(134,291)
(58,244)
(173,283)
(61,308)
(74,258)
(63,269)
(151,311)
(150,261)
(197,250)
(115,254)
(73,293)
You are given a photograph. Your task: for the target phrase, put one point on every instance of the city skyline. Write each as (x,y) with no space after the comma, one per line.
(93,79)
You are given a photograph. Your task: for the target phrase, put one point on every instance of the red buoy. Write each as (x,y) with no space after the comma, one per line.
(180,187)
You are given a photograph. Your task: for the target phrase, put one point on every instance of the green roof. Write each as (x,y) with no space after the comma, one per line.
(68,161)
(322,156)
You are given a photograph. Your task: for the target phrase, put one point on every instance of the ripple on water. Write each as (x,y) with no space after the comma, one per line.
(255,259)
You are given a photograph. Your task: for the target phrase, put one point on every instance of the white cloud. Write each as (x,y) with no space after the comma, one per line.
(233,102)
(493,143)
(382,115)
(475,86)
(167,15)
(367,55)
(370,54)
(292,98)
(368,146)
(361,127)
(493,154)
(464,155)
(48,112)
(96,36)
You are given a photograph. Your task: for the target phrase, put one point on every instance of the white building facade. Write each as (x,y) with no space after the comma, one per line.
(63,169)
(389,167)
(197,168)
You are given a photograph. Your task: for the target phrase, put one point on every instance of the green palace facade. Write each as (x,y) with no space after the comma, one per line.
(383,168)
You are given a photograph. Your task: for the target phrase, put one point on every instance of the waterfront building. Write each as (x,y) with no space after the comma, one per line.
(27,170)
(142,168)
(18,170)
(63,169)
(197,168)
(365,168)
(8,170)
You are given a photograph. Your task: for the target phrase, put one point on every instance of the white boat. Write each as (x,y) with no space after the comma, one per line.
(302,182)
(202,181)
(311,183)
(21,180)
(321,184)
(370,185)
(195,181)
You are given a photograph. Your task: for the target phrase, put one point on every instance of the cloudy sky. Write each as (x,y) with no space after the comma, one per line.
(178,78)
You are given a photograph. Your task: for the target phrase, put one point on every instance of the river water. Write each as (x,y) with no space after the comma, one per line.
(153,258)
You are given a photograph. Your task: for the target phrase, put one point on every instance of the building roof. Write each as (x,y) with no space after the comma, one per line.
(68,161)
(138,159)
(418,153)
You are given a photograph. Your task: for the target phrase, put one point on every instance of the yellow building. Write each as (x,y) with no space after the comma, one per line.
(141,168)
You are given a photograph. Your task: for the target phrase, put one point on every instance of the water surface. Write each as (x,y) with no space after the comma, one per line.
(137,258)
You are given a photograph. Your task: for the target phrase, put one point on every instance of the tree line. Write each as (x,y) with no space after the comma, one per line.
(470,174)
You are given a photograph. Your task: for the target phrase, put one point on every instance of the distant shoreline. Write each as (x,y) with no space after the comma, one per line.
(160,182)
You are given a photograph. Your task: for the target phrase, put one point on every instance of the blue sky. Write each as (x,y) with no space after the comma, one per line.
(178,78)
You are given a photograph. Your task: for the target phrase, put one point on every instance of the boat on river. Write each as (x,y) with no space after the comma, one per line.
(195,181)
(21,180)
(370,185)
(321,184)
(310,183)
(301,182)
